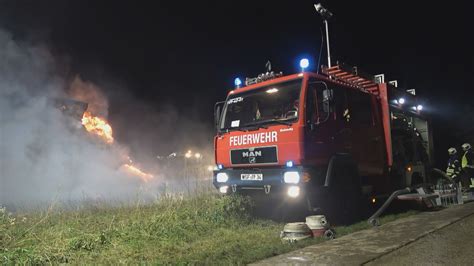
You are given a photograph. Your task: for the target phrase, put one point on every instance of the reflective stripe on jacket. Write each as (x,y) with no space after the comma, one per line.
(467,159)
(454,166)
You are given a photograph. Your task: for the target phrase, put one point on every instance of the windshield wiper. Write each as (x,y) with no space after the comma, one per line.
(244,128)
(259,124)
(252,126)
(278,121)
(283,122)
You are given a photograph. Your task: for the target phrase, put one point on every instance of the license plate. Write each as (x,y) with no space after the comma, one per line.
(255,177)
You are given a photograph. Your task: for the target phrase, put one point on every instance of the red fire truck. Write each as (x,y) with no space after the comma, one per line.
(326,140)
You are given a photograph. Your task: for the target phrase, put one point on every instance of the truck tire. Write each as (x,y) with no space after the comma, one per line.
(344,191)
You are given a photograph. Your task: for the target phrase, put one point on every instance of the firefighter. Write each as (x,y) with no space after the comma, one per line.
(454,165)
(467,162)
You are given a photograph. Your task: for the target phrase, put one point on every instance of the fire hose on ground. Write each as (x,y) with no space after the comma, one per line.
(373,220)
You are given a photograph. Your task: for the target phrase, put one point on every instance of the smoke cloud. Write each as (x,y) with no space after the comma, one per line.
(89,93)
(47,155)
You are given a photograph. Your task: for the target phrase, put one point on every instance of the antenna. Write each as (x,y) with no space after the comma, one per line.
(320,50)
(268,66)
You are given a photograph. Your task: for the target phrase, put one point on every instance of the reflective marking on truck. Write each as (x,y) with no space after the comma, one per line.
(256,138)
(235,100)
(235,123)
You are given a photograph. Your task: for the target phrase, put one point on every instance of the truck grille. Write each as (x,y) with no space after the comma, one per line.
(258,155)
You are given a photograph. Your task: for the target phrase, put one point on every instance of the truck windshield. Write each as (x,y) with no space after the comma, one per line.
(273,104)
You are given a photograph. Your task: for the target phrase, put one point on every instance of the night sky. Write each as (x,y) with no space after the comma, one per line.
(188,53)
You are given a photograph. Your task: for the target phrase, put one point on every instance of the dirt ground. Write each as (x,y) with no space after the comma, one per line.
(452,245)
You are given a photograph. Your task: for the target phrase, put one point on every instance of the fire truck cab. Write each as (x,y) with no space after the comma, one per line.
(320,139)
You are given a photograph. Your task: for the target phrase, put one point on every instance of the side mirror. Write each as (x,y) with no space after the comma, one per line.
(217,114)
(327,100)
(291,114)
(327,95)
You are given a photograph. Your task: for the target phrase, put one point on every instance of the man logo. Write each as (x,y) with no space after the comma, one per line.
(246,154)
(252,154)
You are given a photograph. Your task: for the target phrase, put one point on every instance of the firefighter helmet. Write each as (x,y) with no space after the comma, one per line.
(466,146)
(452,151)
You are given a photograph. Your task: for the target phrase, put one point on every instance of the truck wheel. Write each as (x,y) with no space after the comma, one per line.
(345,195)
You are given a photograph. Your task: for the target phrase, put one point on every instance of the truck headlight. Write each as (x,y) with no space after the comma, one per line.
(222,177)
(291,177)
(223,189)
(294,191)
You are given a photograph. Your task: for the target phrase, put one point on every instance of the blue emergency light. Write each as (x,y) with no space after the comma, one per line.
(237,82)
(304,63)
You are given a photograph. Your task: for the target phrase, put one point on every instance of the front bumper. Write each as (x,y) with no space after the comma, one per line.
(272,181)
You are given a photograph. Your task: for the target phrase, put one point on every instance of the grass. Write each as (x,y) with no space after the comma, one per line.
(202,230)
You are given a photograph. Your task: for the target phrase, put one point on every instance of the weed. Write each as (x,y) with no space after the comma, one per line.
(205,229)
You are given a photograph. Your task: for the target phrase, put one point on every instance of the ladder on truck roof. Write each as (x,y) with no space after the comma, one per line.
(352,78)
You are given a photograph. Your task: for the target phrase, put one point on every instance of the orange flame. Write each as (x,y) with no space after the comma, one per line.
(97,126)
(101,128)
(130,169)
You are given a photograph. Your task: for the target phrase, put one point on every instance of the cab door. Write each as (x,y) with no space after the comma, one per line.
(320,121)
(367,137)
